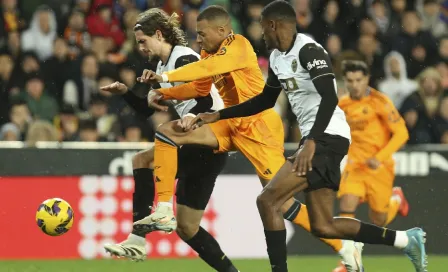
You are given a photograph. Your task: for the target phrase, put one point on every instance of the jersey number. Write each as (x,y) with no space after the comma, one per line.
(289,84)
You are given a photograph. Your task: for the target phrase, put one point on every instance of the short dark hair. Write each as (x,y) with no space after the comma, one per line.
(355,66)
(213,12)
(279,10)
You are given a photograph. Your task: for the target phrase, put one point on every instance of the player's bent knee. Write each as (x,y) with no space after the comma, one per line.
(378,220)
(165,129)
(142,159)
(323,230)
(187,229)
(266,200)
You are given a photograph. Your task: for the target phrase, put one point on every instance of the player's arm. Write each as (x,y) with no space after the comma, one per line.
(198,88)
(265,100)
(230,58)
(395,123)
(324,81)
(140,105)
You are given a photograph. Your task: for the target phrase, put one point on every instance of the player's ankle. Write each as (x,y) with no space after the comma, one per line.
(401,239)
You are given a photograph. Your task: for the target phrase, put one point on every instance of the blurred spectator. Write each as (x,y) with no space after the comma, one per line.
(102,23)
(107,124)
(398,8)
(420,109)
(41,105)
(67,123)
(380,13)
(430,12)
(369,48)
(417,46)
(10,19)
(19,117)
(443,120)
(9,132)
(76,33)
(396,84)
(88,131)
(132,133)
(58,64)
(442,67)
(333,46)
(41,130)
(13,45)
(40,35)
(80,89)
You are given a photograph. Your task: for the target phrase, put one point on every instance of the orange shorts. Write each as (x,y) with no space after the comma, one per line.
(260,138)
(371,186)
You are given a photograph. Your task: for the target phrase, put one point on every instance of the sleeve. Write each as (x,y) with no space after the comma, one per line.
(140,105)
(257,104)
(395,124)
(316,61)
(187,91)
(231,57)
(203,104)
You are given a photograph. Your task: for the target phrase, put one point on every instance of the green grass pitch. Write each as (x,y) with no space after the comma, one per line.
(296,264)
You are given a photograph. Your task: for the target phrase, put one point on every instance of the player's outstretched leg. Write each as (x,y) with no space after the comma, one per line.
(143,197)
(169,137)
(200,240)
(320,207)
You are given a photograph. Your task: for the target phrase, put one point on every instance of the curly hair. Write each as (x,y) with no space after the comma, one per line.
(156,19)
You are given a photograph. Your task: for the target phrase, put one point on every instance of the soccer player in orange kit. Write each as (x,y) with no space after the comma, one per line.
(229,62)
(377,132)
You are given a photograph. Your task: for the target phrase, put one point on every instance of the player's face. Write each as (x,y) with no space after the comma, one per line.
(268,32)
(210,36)
(356,83)
(149,45)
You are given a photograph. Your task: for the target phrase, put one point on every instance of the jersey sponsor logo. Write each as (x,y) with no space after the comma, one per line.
(318,64)
(294,65)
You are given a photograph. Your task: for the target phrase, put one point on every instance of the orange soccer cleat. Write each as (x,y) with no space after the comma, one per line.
(404,204)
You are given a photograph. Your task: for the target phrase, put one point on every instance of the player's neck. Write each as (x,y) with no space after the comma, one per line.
(287,42)
(166,53)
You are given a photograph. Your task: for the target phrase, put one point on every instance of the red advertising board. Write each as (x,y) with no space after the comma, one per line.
(103,214)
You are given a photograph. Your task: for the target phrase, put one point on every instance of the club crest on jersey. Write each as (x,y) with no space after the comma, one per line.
(294,65)
(319,64)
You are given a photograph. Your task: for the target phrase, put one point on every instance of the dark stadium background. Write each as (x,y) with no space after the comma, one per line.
(49,91)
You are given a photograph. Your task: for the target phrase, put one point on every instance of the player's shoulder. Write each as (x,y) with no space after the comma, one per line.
(344,101)
(379,97)
(236,40)
(179,51)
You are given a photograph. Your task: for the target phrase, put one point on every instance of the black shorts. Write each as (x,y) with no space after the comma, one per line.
(326,173)
(197,172)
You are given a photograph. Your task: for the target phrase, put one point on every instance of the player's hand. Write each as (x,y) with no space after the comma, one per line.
(115,88)
(185,122)
(304,158)
(149,77)
(373,163)
(153,98)
(202,119)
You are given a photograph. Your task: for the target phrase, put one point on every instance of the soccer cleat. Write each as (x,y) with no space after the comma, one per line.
(351,254)
(127,249)
(403,210)
(161,219)
(415,250)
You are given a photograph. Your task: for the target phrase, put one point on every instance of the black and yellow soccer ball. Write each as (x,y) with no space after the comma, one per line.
(55,216)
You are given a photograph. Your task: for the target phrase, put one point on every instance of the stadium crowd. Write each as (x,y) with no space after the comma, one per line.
(55,54)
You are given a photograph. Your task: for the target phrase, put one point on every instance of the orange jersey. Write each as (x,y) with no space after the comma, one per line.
(377,129)
(233,69)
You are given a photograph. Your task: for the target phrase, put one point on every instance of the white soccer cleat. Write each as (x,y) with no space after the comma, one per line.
(127,249)
(351,254)
(161,219)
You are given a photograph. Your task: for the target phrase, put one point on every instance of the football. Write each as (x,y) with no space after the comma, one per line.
(55,216)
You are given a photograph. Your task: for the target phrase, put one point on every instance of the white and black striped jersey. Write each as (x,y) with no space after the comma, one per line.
(180,56)
(295,70)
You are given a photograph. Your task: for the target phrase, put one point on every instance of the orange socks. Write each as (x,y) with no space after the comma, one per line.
(394,204)
(165,167)
(298,214)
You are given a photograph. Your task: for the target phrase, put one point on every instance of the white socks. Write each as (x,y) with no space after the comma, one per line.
(165,204)
(401,239)
(135,239)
